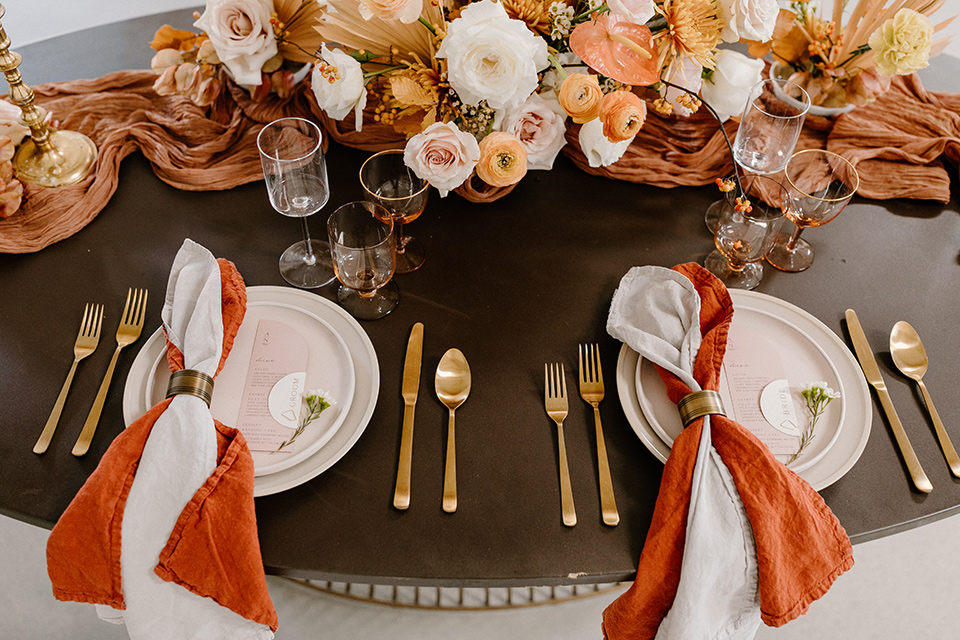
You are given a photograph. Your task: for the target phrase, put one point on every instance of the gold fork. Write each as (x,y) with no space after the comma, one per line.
(129,330)
(555,401)
(591,390)
(86,343)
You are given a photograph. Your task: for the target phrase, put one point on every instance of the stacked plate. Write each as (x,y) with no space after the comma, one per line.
(769,340)
(341,361)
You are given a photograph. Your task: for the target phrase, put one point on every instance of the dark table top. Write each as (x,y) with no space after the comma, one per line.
(513,284)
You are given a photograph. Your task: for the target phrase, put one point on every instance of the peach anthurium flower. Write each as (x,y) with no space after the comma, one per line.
(580,97)
(503,159)
(622,114)
(617,48)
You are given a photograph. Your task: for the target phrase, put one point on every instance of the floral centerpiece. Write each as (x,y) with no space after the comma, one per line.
(851,64)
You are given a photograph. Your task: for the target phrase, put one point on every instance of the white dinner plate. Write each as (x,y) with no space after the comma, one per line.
(796,357)
(314,316)
(858,411)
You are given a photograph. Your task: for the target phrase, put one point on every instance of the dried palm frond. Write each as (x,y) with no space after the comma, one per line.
(297,36)
(342,24)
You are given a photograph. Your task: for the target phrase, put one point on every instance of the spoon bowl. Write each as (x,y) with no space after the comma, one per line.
(908,354)
(453,386)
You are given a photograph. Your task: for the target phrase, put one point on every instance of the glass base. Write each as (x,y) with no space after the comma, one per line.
(747,278)
(794,261)
(296,270)
(380,304)
(712,216)
(411,258)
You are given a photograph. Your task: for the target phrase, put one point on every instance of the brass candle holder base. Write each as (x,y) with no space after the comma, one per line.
(67,160)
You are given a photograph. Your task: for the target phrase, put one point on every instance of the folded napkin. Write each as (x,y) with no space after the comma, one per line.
(736,537)
(163,535)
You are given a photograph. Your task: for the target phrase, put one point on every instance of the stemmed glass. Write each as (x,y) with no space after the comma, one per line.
(743,238)
(821,184)
(296,177)
(364,256)
(769,129)
(389,182)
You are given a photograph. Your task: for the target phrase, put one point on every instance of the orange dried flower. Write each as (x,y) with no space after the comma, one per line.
(622,114)
(503,159)
(580,97)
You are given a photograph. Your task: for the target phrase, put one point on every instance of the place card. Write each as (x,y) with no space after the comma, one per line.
(274,388)
(752,364)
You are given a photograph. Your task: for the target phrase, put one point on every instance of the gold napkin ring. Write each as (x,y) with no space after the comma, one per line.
(698,404)
(191,382)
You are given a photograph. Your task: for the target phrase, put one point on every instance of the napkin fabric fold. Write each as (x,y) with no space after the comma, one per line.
(721,488)
(163,534)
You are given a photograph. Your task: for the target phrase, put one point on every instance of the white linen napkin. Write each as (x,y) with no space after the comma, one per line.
(655,311)
(178,457)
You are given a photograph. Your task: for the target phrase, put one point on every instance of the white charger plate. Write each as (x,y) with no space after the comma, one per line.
(858,411)
(803,359)
(310,308)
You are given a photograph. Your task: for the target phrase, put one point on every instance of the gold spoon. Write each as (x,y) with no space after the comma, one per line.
(453,387)
(908,354)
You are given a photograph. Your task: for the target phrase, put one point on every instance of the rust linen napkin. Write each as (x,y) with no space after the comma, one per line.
(209,546)
(800,546)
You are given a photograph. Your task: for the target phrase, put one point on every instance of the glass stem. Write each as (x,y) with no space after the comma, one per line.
(310,258)
(401,243)
(792,243)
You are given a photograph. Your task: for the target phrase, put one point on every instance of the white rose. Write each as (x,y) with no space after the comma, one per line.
(687,74)
(348,93)
(442,155)
(241,33)
(9,122)
(636,11)
(599,150)
(730,85)
(406,11)
(748,19)
(491,57)
(539,125)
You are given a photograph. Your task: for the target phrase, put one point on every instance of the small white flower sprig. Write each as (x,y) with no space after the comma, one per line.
(316,402)
(817,396)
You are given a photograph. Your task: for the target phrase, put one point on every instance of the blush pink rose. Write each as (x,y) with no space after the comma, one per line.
(406,11)
(442,155)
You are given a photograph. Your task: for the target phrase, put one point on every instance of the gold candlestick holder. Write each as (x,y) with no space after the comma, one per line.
(48,158)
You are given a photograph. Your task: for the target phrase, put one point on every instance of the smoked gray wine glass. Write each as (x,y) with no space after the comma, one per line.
(295,173)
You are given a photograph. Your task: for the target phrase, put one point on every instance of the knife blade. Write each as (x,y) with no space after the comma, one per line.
(872,373)
(408,390)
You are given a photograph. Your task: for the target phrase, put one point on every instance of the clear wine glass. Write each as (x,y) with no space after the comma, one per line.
(389,182)
(295,173)
(743,238)
(821,184)
(768,132)
(363,246)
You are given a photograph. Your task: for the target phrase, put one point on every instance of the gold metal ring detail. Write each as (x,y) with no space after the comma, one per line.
(698,404)
(191,382)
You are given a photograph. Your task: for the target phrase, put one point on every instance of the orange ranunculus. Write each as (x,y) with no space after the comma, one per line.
(580,97)
(622,114)
(503,159)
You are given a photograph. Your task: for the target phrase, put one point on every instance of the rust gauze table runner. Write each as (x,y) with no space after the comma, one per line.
(901,145)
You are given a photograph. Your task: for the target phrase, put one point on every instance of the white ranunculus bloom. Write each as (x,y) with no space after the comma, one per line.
(748,19)
(492,57)
(241,34)
(732,80)
(442,155)
(599,150)
(636,11)
(539,125)
(347,94)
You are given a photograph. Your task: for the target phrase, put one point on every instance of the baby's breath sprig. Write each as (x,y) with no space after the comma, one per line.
(316,403)
(817,396)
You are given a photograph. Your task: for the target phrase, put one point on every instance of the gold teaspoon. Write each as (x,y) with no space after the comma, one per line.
(908,354)
(453,387)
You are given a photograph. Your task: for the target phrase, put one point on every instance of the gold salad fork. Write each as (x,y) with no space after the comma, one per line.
(591,390)
(86,343)
(131,324)
(555,401)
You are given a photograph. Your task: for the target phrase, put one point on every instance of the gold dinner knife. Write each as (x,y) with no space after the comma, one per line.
(872,373)
(409,389)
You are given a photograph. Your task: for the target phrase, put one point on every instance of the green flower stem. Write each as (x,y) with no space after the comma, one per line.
(429,26)
(559,67)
